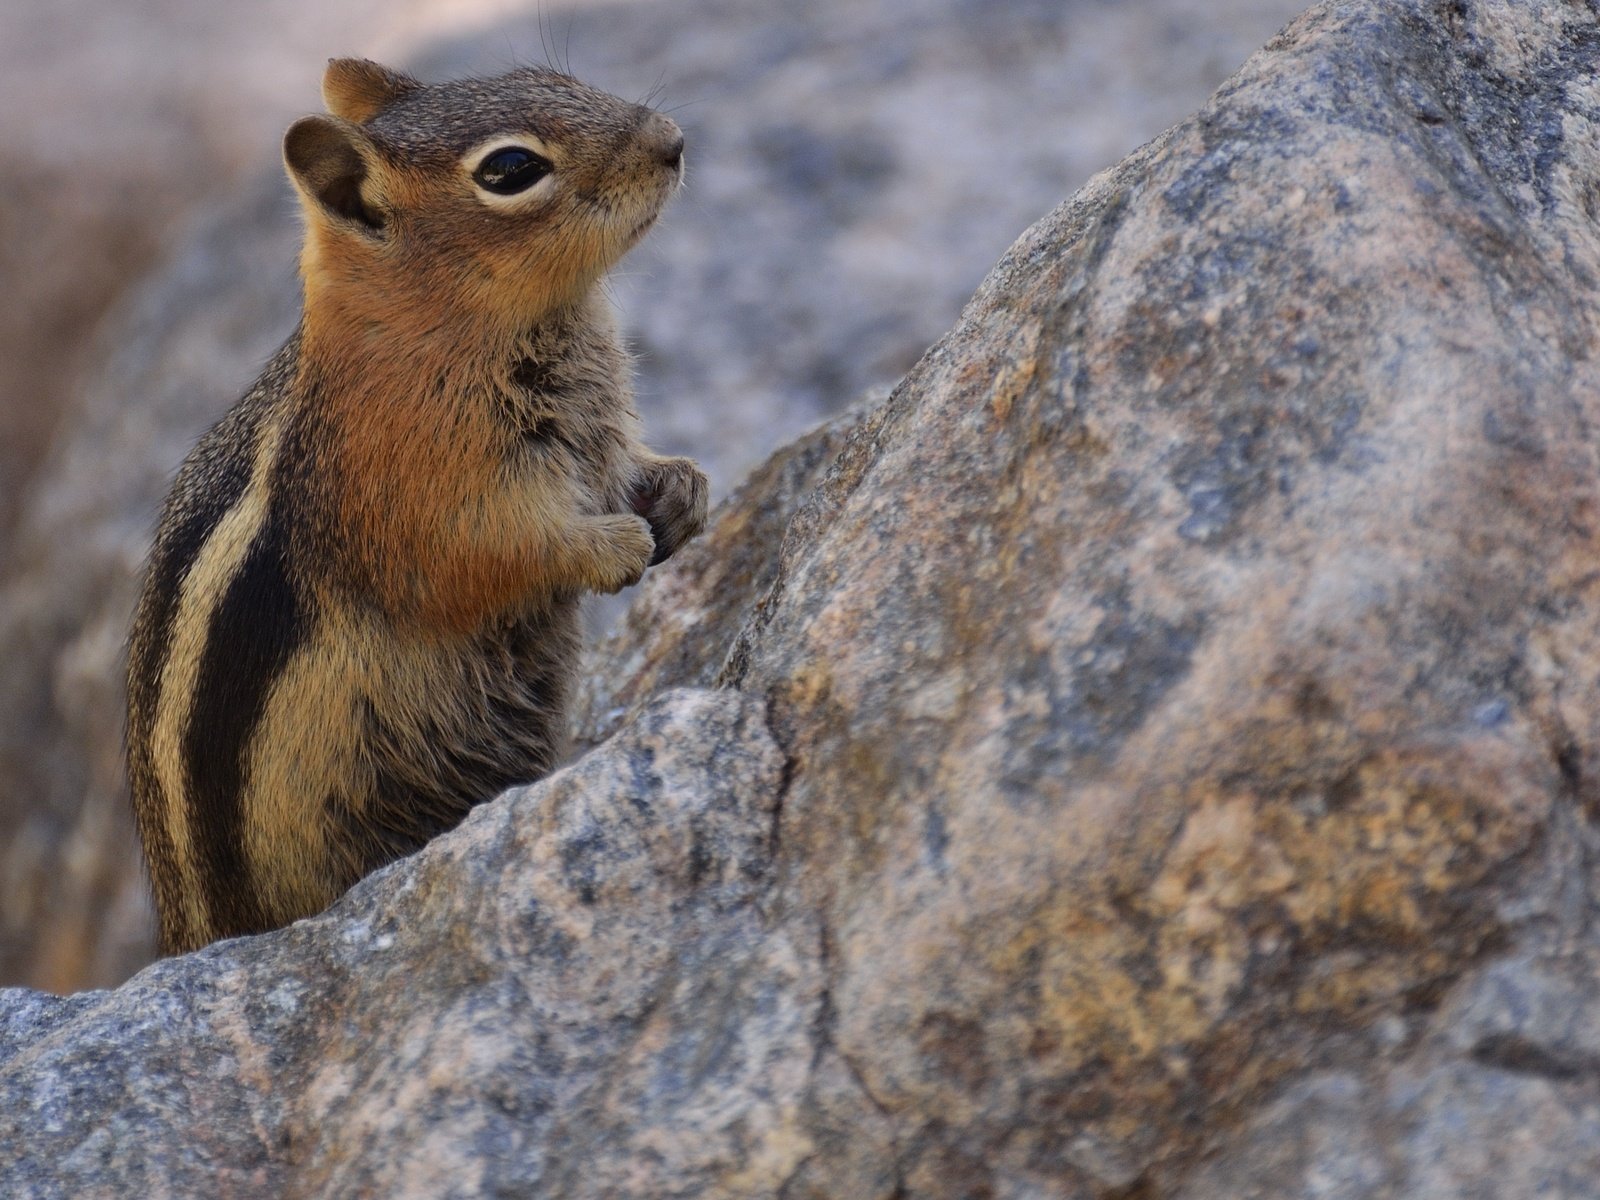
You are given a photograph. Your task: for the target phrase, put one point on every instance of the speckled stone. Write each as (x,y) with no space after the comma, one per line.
(571,927)
(1160,758)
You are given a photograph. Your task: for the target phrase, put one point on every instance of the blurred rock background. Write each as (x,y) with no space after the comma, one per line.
(856,166)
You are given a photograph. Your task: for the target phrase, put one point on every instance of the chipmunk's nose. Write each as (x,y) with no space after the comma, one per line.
(664,139)
(672,152)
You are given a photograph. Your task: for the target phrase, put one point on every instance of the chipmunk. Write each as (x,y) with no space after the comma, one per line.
(360,616)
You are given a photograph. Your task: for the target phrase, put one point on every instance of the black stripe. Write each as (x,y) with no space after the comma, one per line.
(253,632)
(211,482)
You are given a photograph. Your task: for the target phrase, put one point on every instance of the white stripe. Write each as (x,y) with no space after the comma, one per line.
(214,568)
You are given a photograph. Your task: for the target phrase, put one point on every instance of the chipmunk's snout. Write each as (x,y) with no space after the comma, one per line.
(672,153)
(664,140)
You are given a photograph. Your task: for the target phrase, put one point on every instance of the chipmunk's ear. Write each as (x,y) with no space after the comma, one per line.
(335,168)
(358,89)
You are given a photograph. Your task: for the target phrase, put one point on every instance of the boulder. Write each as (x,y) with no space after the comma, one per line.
(855,167)
(1160,758)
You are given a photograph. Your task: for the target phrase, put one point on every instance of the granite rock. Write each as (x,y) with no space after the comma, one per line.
(575,948)
(1160,759)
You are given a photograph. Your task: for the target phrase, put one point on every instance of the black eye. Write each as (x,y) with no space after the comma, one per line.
(512,170)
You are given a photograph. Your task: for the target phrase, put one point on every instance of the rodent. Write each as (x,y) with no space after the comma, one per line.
(360,615)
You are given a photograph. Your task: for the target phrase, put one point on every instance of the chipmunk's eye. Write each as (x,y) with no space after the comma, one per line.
(512,170)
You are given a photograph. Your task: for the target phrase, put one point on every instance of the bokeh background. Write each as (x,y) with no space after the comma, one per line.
(855,167)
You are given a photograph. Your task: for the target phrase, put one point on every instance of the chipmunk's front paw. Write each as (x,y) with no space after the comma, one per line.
(626,549)
(671,496)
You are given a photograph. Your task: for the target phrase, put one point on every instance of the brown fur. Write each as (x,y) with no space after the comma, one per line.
(360,616)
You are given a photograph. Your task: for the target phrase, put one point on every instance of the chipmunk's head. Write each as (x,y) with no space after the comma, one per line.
(503,197)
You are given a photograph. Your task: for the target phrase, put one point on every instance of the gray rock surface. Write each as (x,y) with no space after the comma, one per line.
(856,165)
(1161,761)
(618,883)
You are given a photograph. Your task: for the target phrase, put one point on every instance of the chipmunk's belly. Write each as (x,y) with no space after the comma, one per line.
(376,739)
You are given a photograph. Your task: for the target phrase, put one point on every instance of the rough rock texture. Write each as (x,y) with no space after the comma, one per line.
(619,883)
(1162,763)
(856,165)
